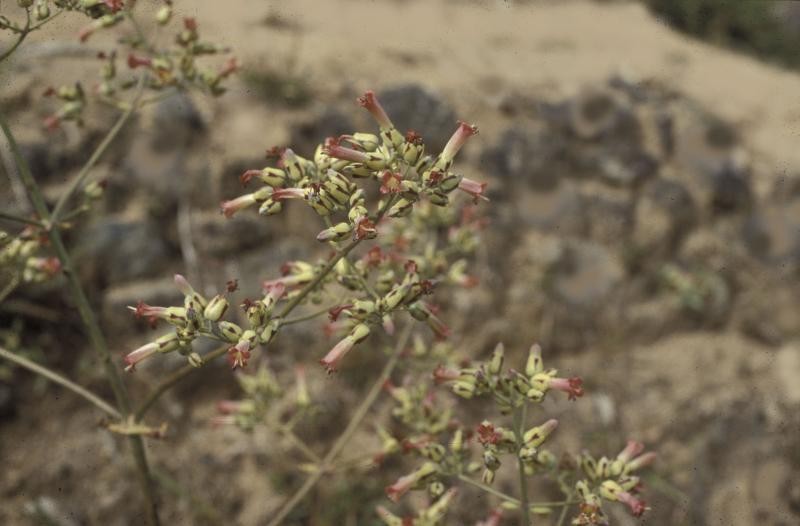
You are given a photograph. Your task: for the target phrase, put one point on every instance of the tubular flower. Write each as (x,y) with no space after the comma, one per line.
(571,386)
(612,491)
(464,132)
(473,188)
(229,208)
(370,102)
(407,482)
(335,355)
(444,374)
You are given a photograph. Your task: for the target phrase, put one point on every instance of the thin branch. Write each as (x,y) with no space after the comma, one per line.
(95,334)
(344,438)
(488,489)
(519,430)
(22,35)
(173,379)
(60,380)
(298,443)
(309,316)
(19,219)
(76,183)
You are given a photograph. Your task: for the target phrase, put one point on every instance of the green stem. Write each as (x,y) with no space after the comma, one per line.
(97,154)
(22,35)
(19,219)
(306,317)
(488,489)
(173,379)
(96,338)
(519,430)
(352,425)
(60,380)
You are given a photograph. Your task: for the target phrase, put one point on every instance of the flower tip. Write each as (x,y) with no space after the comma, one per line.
(467,129)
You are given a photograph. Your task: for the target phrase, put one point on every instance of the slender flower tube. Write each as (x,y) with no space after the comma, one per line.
(632,450)
(444,374)
(229,208)
(473,188)
(337,151)
(611,490)
(571,386)
(536,436)
(407,482)
(332,359)
(140,354)
(457,140)
(135,61)
(370,102)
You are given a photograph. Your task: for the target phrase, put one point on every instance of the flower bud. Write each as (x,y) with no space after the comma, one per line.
(534,365)
(337,232)
(216,308)
(163,15)
(406,483)
(464,389)
(496,364)
(536,436)
(230,331)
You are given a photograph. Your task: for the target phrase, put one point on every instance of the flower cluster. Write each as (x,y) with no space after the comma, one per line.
(511,387)
(177,65)
(612,480)
(21,256)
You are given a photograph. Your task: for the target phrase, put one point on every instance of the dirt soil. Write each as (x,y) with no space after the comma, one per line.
(645,229)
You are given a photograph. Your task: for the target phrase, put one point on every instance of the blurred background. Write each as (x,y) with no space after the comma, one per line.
(644,176)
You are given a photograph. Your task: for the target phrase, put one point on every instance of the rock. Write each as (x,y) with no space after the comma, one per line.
(114,250)
(561,210)
(772,234)
(609,213)
(586,275)
(413,107)
(218,236)
(177,123)
(730,187)
(526,155)
(663,215)
(593,113)
(787,371)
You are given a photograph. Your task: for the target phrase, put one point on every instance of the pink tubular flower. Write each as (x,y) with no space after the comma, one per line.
(632,450)
(335,355)
(473,188)
(50,266)
(279,194)
(230,67)
(228,407)
(140,354)
(369,101)
(239,355)
(464,132)
(405,483)
(636,505)
(135,61)
(337,151)
(114,5)
(494,518)
(444,374)
(52,122)
(571,386)
(641,461)
(234,205)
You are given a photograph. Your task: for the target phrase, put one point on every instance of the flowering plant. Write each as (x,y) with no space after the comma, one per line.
(396,235)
